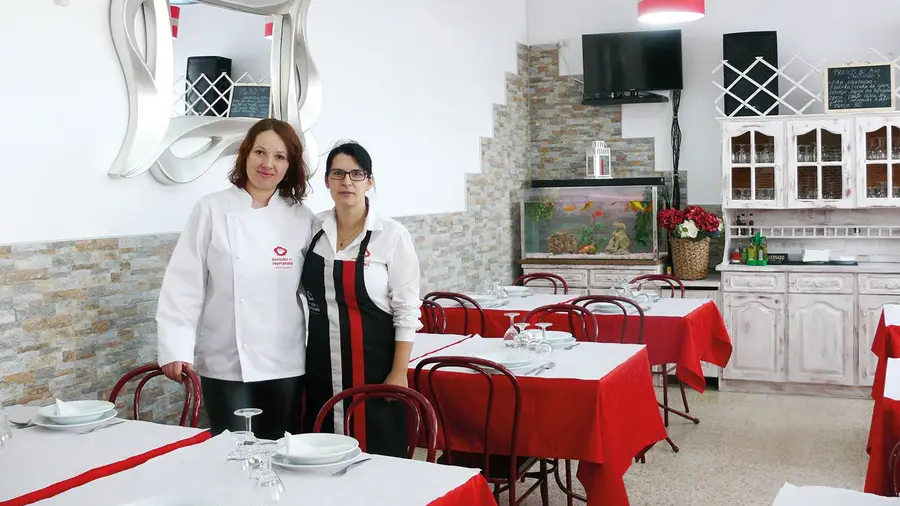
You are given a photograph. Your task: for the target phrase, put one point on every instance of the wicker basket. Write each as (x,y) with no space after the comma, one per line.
(691,258)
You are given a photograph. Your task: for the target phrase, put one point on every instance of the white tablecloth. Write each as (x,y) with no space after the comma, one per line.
(36,458)
(199,472)
(892,315)
(791,495)
(588,361)
(664,307)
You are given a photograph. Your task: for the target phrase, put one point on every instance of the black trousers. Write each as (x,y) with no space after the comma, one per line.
(279,400)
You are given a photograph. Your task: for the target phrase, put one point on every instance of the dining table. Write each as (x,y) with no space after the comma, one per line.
(884,432)
(201,474)
(683,332)
(596,405)
(885,345)
(37,463)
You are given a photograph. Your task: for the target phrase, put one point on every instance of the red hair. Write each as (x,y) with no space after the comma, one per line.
(294,186)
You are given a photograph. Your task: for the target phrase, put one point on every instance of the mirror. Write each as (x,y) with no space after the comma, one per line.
(179,125)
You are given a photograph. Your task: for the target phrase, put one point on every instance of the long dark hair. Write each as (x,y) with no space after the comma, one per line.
(293,187)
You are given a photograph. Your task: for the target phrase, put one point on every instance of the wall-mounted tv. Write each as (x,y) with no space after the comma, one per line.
(627,62)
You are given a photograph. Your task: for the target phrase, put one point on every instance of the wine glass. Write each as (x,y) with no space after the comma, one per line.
(5,433)
(248,413)
(522,337)
(509,337)
(538,337)
(269,486)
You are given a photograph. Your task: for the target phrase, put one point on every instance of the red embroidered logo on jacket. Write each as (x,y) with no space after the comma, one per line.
(281,260)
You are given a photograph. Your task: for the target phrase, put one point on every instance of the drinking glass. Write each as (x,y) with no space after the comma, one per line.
(269,487)
(540,336)
(522,337)
(509,338)
(5,432)
(542,348)
(248,413)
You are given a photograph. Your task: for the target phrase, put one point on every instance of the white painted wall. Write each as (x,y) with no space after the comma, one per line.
(811,28)
(413,80)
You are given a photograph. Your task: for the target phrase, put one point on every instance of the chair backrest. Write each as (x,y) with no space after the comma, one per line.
(419,409)
(462,300)
(434,321)
(581,321)
(623,304)
(192,395)
(556,280)
(672,281)
(493,373)
(893,465)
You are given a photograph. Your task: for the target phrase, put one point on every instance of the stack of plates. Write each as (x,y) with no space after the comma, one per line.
(513,359)
(559,338)
(518,291)
(316,452)
(485,301)
(610,308)
(79,414)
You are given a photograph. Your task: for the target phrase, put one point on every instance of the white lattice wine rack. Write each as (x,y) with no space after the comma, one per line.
(203,86)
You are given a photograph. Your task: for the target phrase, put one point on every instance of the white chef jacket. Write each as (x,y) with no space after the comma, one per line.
(229,292)
(391,267)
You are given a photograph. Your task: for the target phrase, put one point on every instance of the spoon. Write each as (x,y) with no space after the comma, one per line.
(549,365)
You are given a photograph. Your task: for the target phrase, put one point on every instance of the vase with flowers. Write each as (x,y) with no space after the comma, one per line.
(689,232)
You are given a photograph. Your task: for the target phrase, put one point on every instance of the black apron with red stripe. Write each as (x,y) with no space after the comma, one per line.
(350,343)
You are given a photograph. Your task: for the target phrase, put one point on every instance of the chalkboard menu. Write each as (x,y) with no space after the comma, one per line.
(859,87)
(249,101)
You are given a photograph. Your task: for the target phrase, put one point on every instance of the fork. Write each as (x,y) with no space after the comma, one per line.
(344,470)
(98,427)
(21,425)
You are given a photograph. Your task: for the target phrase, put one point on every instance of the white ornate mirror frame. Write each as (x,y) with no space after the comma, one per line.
(296,90)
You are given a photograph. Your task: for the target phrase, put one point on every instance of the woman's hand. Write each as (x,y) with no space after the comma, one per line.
(397,378)
(172,370)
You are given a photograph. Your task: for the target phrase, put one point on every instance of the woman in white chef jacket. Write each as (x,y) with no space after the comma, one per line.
(361,278)
(229,295)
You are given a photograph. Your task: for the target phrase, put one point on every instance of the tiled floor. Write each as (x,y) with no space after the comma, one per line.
(746,446)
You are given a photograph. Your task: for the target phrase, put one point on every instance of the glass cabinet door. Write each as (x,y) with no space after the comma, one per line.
(752,161)
(819,164)
(878,142)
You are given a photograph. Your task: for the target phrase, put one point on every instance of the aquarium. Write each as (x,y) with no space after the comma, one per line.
(593,218)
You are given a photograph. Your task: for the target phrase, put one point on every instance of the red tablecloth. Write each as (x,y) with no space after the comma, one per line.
(684,341)
(601,423)
(885,345)
(475,492)
(100,472)
(883,435)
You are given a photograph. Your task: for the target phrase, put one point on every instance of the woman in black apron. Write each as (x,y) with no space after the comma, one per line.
(361,279)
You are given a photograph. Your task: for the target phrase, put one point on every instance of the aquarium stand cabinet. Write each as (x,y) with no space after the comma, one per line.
(588,277)
(809,182)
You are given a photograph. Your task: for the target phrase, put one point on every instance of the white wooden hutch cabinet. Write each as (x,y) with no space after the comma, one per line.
(826,182)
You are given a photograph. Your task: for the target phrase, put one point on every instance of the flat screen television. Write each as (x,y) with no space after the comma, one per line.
(627,62)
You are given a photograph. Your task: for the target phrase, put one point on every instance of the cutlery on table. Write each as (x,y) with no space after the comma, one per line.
(344,469)
(544,367)
(569,347)
(98,427)
(21,425)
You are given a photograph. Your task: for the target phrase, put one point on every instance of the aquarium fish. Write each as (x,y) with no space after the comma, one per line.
(596,214)
(587,205)
(570,208)
(637,206)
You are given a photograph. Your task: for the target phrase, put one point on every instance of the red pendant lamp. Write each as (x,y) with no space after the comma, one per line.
(659,12)
(174,13)
(270,27)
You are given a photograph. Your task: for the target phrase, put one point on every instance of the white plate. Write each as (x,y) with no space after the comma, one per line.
(509,359)
(554,336)
(278,460)
(86,412)
(42,421)
(517,290)
(482,299)
(561,344)
(342,445)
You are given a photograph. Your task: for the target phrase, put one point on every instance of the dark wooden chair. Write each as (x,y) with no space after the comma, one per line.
(556,280)
(664,370)
(434,320)
(581,322)
(192,400)
(503,470)
(420,412)
(467,304)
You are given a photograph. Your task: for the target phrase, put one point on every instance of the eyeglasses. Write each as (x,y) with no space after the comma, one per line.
(355,174)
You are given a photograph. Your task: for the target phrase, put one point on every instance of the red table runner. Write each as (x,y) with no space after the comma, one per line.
(103,471)
(601,423)
(475,492)
(684,341)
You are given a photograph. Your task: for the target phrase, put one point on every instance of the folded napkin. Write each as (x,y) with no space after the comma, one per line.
(63,409)
(294,445)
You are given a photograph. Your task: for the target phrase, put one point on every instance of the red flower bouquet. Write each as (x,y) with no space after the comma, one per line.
(692,222)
